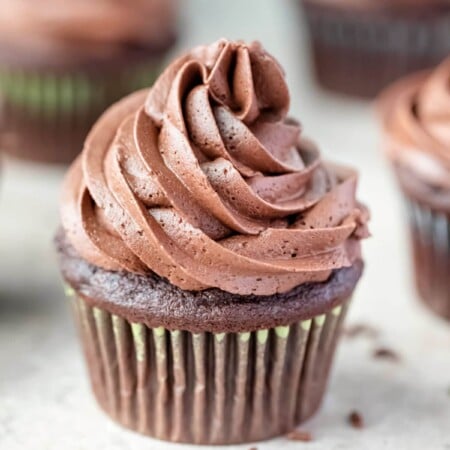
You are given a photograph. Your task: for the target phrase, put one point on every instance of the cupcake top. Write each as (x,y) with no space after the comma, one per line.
(416,119)
(96,27)
(205,181)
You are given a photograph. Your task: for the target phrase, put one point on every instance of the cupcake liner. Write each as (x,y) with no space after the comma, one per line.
(207,388)
(359,53)
(430,232)
(45,116)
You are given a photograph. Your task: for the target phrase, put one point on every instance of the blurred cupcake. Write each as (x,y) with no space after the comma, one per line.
(210,253)
(416,119)
(62,63)
(360,46)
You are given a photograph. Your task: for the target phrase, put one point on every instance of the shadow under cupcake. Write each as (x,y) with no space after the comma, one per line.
(209,253)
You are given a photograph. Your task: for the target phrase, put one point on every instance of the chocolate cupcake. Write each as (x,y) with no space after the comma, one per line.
(63,63)
(361,46)
(416,120)
(211,255)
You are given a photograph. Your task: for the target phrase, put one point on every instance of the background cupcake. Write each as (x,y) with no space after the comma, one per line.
(416,119)
(210,253)
(62,63)
(360,46)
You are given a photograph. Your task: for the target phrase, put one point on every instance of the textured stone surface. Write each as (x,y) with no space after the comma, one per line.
(45,403)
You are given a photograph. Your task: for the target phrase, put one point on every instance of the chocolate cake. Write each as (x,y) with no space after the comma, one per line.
(209,252)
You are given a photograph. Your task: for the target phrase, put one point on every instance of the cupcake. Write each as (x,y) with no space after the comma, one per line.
(416,120)
(209,252)
(63,63)
(360,46)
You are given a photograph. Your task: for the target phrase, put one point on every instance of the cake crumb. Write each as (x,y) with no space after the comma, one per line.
(386,353)
(355,419)
(298,435)
(361,329)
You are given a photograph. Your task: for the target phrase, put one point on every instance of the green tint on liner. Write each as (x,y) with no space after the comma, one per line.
(262,336)
(319,320)
(306,324)
(69,291)
(166,370)
(282,332)
(245,336)
(138,331)
(51,94)
(48,94)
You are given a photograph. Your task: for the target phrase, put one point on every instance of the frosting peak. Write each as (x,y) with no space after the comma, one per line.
(242,77)
(416,114)
(205,181)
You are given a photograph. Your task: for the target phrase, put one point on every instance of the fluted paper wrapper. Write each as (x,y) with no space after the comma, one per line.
(430,232)
(359,53)
(207,388)
(45,116)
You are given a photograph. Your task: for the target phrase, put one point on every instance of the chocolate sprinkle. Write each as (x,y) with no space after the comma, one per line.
(356,420)
(361,329)
(386,353)
(298,435)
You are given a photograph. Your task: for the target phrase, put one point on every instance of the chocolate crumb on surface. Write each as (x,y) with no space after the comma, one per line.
(361,330)
(356,420)
(298,435)
(386,353)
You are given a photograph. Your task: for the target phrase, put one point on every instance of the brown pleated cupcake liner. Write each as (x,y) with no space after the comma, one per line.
(430,232)
(360,53)
(45,116)
(207,388)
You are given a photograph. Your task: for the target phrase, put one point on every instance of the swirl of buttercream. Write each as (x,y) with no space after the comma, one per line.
(100,22)
(205,181)
(416,119)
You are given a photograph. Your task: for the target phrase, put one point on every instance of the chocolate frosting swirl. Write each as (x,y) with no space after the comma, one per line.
(205,181)
(416,118)
(94,26)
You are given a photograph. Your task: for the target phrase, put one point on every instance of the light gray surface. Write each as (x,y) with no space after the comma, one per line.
(45,401)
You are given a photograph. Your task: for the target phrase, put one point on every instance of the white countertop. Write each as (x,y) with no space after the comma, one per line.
(45,403)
